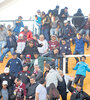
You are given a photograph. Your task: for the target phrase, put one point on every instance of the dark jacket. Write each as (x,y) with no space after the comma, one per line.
(24,77)
(77,95)
(29,50)
(78,18)
(31,90)
(15,66)
(12,43)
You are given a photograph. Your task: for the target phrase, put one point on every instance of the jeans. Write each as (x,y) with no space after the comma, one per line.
(76,52)
(5,52)
(56,63)
(45,32)
(81,77)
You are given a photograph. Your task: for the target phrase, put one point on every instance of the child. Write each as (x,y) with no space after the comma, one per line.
(4,90)
(81,68)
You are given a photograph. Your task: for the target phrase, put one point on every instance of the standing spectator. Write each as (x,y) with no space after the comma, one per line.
(63,14)
(38,25)
(78,19)
(10,45)
(24,75)
(64,50)
(54,26)
(55,11)
(45,26)
(18,25)
(30,49)
(20,45)
(27,34)
(77,93)
(3,34)
(32,89)
(53,77)
(63,86)
(53,43)
(79,45)
(81,68)
(4,90)
(39,60)
(44,49)
(15,65)
(20,90)
(6,76)
(41,93)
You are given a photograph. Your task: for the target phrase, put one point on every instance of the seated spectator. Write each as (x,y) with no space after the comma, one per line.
(53,92)
(46,68)
(24,75)
(54,26)
(20,90)
(15,65)
(4,90)
(20,45)
(10,45)
(10,80)
(27,34)
(79,45)
(32,88)
(77,93)
(45,26)
(53,77)
(41,87)
(64,50)
(44,48)
(37,73)
(53,43)
(30,49)
(39,60)
(18,25)
(62,86)
(81,68)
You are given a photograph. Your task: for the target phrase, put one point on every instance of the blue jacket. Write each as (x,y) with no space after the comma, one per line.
(15,66)
(12,43)
(80,44)
(18,26)
(81,68)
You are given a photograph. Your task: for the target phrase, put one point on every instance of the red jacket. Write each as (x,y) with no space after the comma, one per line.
(53,44)
(27,36)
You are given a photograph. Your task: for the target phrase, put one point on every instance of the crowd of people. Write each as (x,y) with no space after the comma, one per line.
(33,72)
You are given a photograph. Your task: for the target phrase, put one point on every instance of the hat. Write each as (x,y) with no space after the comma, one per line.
(24,65)
(14,53)
(31,41)
(79,85)
(20,17)
(38,11)
(65,21)
(4,83)
(43,13)
(6,70)
(20,34)
(66,8)
(28,56)
(57,7)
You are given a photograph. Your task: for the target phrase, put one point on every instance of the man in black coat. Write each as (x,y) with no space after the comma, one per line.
(32,89)
(77,93)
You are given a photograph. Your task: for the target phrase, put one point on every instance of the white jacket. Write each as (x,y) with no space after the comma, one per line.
(53,77)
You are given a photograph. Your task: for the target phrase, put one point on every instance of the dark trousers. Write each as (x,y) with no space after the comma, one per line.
(61,64)
(63,95)
(79,77)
